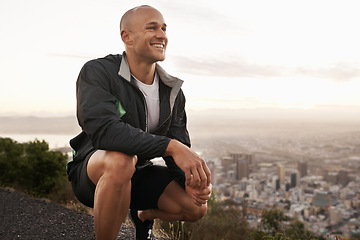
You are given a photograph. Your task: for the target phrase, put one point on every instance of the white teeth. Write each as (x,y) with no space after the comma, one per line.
(158,45)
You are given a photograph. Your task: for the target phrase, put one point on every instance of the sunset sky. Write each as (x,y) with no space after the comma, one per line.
(231,54)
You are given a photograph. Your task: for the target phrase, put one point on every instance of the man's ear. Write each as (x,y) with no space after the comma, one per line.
(125,37)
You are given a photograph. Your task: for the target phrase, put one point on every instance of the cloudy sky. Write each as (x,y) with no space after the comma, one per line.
(232,54)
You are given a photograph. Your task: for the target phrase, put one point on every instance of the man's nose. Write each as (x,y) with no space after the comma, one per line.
(161,34)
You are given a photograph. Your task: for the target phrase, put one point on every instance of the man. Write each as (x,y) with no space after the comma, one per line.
(131,111)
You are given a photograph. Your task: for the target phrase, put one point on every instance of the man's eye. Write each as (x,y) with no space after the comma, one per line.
(164,29)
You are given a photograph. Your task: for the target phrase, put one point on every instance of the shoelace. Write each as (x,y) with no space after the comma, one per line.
(149,234)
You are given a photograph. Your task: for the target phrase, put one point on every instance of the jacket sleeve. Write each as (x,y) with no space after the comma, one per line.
(178,130)
(178,127)
(97,115)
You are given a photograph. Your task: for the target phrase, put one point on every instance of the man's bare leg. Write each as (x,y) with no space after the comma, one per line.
(175,204)
(111,172)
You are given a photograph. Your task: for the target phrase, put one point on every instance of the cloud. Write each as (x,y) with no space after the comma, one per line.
(224,66)
(340,71)
(71,55)
(236,67)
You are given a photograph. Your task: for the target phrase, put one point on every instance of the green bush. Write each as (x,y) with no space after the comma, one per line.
(272,221)
(32,168)
(10,155)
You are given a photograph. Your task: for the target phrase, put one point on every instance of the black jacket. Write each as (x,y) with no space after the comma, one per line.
(111,111)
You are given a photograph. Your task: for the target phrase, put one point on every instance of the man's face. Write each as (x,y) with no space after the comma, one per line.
(148,34)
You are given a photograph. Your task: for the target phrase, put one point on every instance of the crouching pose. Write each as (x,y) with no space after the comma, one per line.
(131,111)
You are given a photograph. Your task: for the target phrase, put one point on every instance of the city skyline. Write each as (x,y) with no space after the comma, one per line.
(233,55)
(314,180)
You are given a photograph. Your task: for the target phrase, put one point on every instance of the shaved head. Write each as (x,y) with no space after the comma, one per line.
(127,18)
(143,32)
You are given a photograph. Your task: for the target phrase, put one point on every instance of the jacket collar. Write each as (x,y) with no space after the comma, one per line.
(167,79)
(173,82)
(124,68)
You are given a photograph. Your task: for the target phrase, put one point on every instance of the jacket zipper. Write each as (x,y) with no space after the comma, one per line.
(144,101)
(146,113)
(162,123)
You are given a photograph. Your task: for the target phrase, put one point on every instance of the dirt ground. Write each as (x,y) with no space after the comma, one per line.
(24,217)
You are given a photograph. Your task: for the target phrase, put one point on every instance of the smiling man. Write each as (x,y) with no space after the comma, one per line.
(131,111)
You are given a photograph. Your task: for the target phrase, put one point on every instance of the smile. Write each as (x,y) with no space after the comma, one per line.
(158,45)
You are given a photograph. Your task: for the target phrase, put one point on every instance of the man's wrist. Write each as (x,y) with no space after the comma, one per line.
(171,148)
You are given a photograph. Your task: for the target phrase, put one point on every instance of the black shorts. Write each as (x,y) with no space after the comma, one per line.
(147,184)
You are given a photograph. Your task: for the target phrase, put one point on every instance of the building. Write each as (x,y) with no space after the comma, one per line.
(281,173)
(343,178)
(228,168)
(212,167)
(321,199)
(242,161)
(332,177)
(242,156)
(287,187)
(242,169)
(302,168)
(236,166)
(335,216)
(293,180)
(277,184)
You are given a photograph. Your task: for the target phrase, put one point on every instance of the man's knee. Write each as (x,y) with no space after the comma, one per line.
(114,166)
(197,213)
(119,166)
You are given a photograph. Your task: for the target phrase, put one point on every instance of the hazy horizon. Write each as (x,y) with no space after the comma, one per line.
(344,113)
(221,121)
(205,127)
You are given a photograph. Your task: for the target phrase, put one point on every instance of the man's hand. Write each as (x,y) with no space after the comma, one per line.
(199,197)
(197,174)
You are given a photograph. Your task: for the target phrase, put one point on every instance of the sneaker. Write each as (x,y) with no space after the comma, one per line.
(143,229)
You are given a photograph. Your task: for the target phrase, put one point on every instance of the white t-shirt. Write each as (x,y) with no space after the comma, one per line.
(151,94)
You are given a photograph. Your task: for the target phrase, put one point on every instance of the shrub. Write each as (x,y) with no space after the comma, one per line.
(31,167)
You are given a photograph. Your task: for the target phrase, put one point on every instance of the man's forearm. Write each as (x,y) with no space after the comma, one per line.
(197,174)
(172,147)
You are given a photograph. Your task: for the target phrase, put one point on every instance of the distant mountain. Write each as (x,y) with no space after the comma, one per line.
(31,124)
(218,123)
(318,114)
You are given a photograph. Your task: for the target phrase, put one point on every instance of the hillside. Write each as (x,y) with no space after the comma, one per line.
(24,217)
